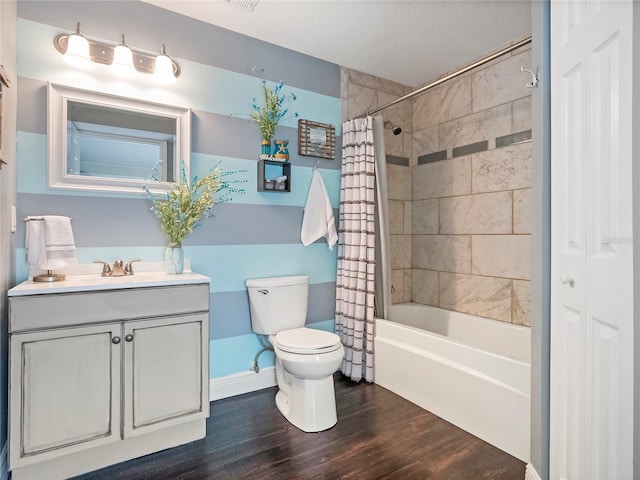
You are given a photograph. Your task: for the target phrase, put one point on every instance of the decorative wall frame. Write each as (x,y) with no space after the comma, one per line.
(316,139)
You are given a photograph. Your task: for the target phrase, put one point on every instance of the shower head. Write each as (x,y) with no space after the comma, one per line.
(394,128)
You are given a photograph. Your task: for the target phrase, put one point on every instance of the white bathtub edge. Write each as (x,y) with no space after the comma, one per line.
(483,406)
(466,328)
(531,474)
(455,365)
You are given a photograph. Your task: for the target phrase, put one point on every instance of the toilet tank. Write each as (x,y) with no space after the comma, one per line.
(278,303)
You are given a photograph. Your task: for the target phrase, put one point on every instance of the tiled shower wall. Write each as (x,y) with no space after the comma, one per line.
(471,192)
(459,191)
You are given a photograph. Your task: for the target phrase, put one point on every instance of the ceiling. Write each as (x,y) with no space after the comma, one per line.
(408,41)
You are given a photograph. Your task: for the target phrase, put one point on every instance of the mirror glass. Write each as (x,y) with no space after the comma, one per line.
(108,142)
(103,142)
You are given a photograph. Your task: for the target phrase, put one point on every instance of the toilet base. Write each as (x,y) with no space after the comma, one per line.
(310,405)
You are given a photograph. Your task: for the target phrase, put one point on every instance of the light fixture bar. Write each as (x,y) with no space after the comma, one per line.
(103,53)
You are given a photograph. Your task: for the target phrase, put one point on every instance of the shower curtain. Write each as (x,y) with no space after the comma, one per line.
(355,283)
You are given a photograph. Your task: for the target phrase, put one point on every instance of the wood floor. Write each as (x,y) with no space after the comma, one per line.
(379,435)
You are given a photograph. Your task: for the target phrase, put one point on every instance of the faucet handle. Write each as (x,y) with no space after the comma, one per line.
(106,269)
(128,268)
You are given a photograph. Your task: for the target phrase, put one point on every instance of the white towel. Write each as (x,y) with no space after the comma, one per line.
(60,245)
(35,243)
(49,242)
(317,220)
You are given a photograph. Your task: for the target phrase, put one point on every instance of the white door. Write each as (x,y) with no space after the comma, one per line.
(592,269)
(165,374)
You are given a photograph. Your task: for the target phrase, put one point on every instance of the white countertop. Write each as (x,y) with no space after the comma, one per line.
(86,278)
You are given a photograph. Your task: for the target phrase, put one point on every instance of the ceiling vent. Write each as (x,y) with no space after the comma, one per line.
(246,4)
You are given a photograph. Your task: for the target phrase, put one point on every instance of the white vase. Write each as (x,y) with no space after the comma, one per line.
(174,258)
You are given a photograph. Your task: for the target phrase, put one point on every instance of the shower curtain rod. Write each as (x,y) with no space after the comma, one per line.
(493,56)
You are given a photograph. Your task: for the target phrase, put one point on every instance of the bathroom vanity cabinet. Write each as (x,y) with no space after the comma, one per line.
(99,377)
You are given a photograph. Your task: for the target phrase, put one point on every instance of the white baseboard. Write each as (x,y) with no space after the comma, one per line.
(239,383)
(4,465)
(531,474)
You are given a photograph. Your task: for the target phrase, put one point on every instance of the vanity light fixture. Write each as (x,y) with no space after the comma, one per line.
(123,60)
(77,53)
(120,57)
(163,72)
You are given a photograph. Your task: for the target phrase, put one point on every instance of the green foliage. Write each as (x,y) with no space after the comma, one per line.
(181,208)
(273,111)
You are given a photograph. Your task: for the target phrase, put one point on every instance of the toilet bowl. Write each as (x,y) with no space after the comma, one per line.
(306,358)
(306,394)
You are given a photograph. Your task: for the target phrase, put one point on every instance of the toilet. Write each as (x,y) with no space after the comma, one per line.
(306,358)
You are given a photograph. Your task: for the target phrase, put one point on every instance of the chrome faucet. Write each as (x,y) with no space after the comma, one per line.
(118,270)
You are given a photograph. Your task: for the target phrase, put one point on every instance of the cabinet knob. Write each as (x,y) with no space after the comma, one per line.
(115,340)
(567,279)
(129,337)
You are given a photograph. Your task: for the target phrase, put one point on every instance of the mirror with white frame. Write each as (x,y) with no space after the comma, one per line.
(103,142)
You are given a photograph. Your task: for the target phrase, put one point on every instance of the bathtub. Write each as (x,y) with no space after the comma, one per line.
(473,372)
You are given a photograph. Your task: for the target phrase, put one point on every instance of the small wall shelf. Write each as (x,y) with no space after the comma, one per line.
(268,171)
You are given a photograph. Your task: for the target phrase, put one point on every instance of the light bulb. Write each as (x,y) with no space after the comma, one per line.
(123,61)
(163,71)
(77,53)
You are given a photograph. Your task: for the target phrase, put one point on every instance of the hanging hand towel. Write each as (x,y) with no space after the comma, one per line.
(317,220)
(60,246)
(35,243)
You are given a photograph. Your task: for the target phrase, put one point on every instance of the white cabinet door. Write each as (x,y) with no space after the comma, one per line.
(165,373)
(65,391)
(591,402)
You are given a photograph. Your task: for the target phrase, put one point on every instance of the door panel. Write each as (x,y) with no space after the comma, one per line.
(567,385)
(609,296)
(164,372)
(568,244)
(592,256)
(604,348)
(606,160)
(69,390)
(572,168)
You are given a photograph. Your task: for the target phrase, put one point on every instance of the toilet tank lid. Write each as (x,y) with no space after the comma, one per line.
(277,281)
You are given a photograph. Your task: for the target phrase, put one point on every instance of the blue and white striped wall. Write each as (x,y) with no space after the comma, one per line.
(258,233)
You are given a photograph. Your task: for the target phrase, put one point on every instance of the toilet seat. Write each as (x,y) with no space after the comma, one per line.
(307,341)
